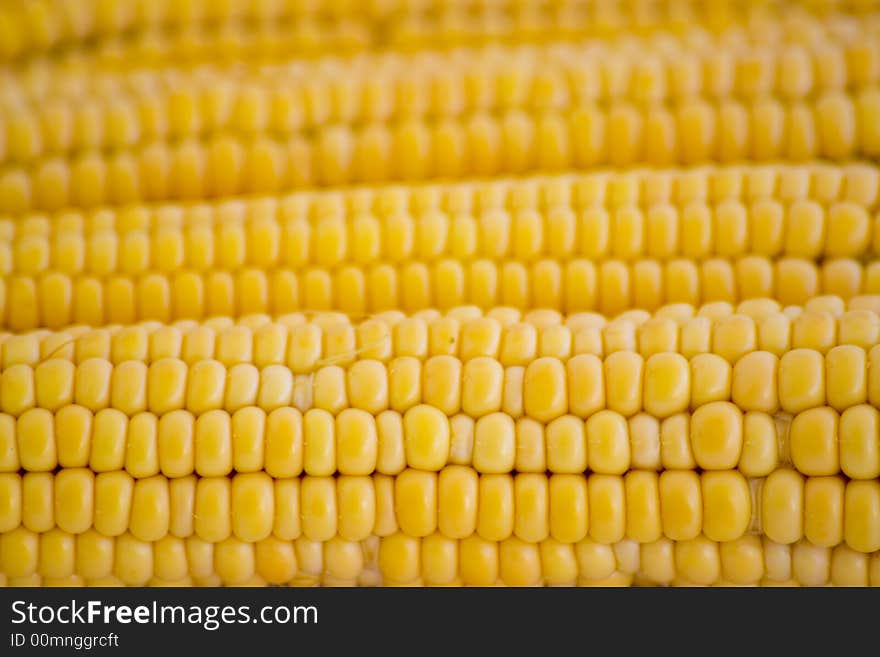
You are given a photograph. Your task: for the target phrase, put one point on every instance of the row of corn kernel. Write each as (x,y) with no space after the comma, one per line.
(82,19)
(642,506)
(90,18)
(90,559)
(55,299)
(126,34)
(462,203)
(286,441)
(178,106)
(837,126)
(545,388)
(303,344)
(698,230)
(378,86)
(825,184)
(230,42)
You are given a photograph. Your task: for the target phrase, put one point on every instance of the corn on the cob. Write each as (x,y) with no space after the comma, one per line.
(304,341)
(57,299)
(378,86)
(769,211)
(119,33)
(727,339)
(845,127)
(571,243)
(342,417)
(517,84)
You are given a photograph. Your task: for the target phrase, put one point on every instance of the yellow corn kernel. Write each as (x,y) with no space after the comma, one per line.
(458,501)
(742,560)
(19,552)
(356,442)
(569,511)
(495,513)
(113,503)
(415,494)
(494,449)
(823,510)
(811,564)
(357,507)
(857,439)
(813,441)
(441,383)
(716,431)
(531,507)
(318,507)
(644,432)
(801,380)
(252,506)
(681,504)
(38,501)
(862,515)
(697,560)
(624,374)
(726,505)
(760,450)
(782,506)
(319,443)
(588,395)
(666,384)
(213,509)
(482,385)
(74,499)
(643,519)
(608,443)
(711,380)
(283,442)
(675,444)
(478,561)
(287,522)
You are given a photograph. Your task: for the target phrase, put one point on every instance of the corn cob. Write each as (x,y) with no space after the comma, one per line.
(117,34)
(799,212)
(575,71)
(56,558)
(722,338)
(383,88)
(415,150)
(447,83)
(311,432)
(57,299)
(305,341)
(571,243)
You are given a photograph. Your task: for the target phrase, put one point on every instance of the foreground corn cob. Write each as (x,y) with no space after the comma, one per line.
(313,432)
(146,455)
